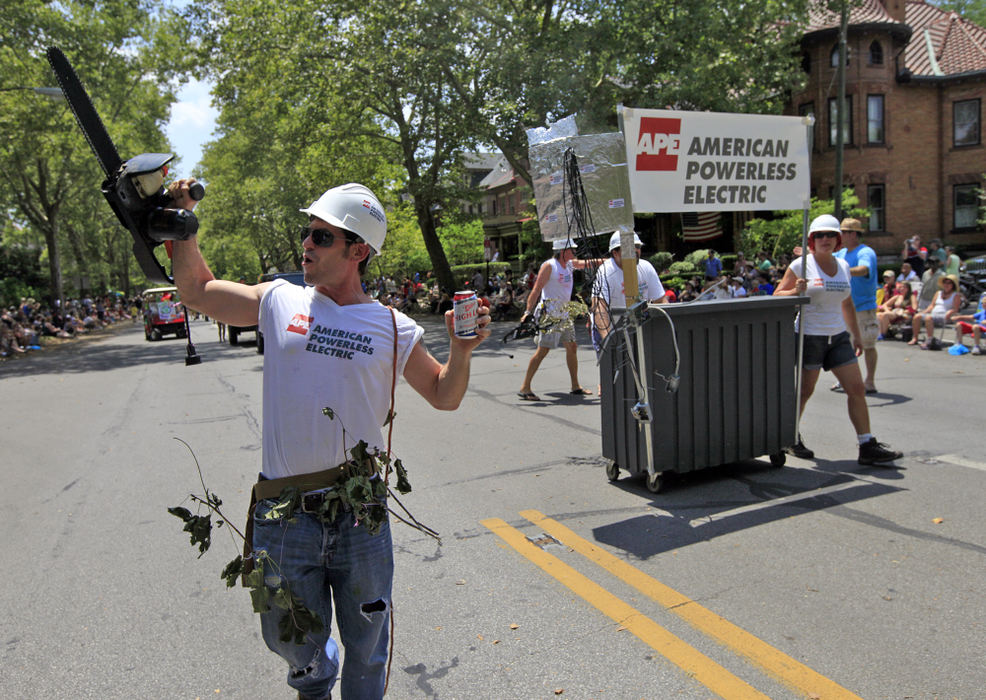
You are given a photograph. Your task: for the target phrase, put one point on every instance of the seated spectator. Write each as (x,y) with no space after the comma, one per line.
(763,262)
(688,293)
(671,295)
(907,273)
(742,267)
(946,304)
(503,302)
(972,323)
(736,288)
(929,282)
(765,285)
(898,309)
(889,287)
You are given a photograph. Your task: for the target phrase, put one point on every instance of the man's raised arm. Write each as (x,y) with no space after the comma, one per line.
(229,302)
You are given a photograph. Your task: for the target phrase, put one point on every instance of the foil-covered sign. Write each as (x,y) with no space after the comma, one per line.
(602,167)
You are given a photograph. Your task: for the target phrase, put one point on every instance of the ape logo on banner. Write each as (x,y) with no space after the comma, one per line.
(659,143)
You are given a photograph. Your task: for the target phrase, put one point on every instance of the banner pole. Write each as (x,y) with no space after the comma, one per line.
(809,121)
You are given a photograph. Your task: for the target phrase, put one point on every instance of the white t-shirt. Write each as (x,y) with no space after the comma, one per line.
(608,285)
(557,291)
(823,316)
(318,354)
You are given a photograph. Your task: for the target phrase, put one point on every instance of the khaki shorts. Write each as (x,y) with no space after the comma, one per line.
(869,329)
(553,339)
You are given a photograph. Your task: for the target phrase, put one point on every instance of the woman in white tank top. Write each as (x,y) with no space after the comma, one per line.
(832,337)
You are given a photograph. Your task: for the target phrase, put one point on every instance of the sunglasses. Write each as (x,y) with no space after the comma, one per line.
(323,237)
(825,234)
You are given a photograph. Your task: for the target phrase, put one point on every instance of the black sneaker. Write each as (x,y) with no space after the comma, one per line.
(799,450)
(873,452)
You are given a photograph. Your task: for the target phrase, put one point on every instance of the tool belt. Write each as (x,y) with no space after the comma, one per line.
(272,488)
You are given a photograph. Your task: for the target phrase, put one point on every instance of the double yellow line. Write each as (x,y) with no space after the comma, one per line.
(795,675)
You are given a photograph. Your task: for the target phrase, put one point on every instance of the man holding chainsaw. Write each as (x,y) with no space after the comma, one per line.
(327,346)
(548,300)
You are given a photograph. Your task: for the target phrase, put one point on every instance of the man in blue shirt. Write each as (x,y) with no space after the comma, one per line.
(713,266)
(864,283)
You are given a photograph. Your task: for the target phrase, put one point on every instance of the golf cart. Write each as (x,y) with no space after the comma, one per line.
(163,313)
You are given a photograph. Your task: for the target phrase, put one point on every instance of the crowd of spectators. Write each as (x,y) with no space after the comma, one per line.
(909,291)
(22,327)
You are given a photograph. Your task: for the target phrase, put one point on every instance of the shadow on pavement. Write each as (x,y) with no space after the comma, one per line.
(99,353)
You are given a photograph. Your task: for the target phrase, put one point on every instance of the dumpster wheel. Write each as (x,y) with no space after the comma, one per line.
(655,482)
(612,471)
(778,459)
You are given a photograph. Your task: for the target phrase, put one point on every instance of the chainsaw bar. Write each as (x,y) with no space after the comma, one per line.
(85,113)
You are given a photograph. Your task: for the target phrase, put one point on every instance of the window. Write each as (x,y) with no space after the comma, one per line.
(874,118)
(834,56)
(876,54)
(876,201)
(965,122)
(966,210)
(846,121)
(806,62)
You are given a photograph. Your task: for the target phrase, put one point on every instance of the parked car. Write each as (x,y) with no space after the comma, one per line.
(163,313)
(297,278)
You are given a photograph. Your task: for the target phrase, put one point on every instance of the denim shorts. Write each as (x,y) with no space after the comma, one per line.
(828,351)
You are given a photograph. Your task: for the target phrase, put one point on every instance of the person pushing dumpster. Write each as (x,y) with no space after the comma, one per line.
(327,346)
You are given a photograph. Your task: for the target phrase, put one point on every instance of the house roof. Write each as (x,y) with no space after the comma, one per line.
(944,39)
(941,42)
(501,174)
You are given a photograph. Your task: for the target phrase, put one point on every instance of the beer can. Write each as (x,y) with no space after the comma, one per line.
(465,314)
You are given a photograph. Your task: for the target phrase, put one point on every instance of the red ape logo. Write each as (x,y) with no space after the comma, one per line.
(659,143)
(300,324)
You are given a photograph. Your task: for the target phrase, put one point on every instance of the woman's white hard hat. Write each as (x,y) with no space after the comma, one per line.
(825,222)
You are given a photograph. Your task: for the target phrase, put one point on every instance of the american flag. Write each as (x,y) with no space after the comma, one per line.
(701,226)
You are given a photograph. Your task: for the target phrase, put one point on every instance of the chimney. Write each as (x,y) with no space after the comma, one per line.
(896,9)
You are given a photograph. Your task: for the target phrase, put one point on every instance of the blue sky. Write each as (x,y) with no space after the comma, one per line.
(192,121)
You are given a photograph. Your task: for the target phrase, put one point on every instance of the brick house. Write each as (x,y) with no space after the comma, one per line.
(914,152)
(504,204)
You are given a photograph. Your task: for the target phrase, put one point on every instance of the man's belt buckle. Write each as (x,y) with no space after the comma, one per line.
(312,501)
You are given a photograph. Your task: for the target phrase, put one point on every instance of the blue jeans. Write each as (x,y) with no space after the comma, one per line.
(326,561)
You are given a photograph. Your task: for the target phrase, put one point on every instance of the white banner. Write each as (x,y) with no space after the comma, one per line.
(712,161)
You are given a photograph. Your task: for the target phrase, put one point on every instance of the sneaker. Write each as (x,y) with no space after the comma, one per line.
(873,452)
(799,450)
(976,350)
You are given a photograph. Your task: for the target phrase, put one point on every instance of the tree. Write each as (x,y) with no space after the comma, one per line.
(397,94)
(48,175)
(533,62)
(972,10)
(780,235)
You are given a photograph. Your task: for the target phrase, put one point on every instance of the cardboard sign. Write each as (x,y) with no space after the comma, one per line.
(712,161)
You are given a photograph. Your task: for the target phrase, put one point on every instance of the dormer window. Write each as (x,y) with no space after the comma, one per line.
(876,54)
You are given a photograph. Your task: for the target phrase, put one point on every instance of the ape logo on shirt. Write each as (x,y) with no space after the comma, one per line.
(300,324)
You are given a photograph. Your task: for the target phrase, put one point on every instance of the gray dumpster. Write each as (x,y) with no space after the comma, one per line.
(735,399)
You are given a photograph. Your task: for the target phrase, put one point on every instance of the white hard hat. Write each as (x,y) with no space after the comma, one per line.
(355,208)
(614,240)
(825,222)
(562,244)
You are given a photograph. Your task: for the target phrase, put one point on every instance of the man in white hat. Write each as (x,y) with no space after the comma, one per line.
(608,293)
(551,292)
(327,346)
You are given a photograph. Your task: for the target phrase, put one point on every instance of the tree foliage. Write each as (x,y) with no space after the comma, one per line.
(783,233)
(124,52)
(315,94)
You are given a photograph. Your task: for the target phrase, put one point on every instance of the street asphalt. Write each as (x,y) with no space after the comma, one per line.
(820,579)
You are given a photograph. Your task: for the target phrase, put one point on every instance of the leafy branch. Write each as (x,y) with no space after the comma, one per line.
(363,490)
